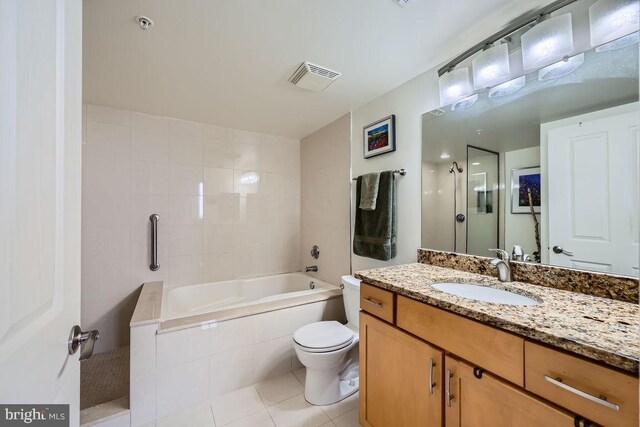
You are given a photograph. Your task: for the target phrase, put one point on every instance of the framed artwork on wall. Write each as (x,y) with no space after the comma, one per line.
(525,188)
(380,137)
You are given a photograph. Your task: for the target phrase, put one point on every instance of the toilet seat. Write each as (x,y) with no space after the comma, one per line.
(322,337)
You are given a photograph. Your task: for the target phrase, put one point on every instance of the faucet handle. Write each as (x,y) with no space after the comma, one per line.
(502,254)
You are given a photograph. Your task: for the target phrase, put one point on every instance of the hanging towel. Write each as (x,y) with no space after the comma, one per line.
(369,191)
(375,231)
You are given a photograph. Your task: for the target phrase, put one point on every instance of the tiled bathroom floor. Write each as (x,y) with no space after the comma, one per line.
(104,377)
(278,402)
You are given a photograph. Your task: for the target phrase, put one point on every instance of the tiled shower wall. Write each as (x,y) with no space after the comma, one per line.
(325,156)
(228,200)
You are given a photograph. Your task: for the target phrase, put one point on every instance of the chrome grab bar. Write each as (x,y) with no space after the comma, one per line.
(447,391)
(372,302)
(602,401)
(154,242)
(432,363)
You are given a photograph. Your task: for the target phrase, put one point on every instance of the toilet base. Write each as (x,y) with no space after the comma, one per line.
(322,388)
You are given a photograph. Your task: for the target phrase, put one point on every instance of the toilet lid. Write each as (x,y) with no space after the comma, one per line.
(323,335)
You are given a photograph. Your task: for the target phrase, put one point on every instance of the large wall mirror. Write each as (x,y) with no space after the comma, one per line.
(551,167)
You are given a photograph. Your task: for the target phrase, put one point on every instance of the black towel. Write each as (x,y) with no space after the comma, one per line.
(375,231)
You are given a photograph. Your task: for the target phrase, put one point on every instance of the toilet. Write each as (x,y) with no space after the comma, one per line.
(329,351)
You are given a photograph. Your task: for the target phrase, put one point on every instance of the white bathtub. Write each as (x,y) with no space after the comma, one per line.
(193,343)
(258,292)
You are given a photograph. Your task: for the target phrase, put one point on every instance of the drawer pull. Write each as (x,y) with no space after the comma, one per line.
(431,383)
(373,302)
(581,393)
(447,390)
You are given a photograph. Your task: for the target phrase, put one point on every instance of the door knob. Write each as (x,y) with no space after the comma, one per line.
(86,341)
(559,250)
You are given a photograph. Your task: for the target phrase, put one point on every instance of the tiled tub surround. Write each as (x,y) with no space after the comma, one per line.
(597,328)
(621,288)
(177,363)
(324,188)
(228,200)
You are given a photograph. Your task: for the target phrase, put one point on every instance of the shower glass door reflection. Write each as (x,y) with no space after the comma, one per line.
(482,201)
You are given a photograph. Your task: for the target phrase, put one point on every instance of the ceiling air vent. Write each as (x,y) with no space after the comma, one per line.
(313,77)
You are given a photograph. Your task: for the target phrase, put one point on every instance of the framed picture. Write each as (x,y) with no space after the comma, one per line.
(380,137)
(524,182)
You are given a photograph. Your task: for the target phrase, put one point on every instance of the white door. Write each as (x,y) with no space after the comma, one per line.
(593,192)
(40,172)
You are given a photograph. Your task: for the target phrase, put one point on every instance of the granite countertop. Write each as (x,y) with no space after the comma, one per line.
(601,329)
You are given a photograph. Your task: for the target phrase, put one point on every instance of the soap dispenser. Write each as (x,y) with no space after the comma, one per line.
(517,254)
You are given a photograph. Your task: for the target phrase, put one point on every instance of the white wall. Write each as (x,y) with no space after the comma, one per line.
(407,102)
(519,228)
(213,224)
(325,187)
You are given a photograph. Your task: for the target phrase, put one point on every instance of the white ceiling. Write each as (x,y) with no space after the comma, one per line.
(227,62)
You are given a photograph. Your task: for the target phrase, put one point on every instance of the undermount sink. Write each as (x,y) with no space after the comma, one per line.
(484,293)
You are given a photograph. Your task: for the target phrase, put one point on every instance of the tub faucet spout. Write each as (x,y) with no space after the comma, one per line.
(313,268)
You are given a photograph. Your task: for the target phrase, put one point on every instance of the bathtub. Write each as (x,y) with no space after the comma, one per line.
(193,343)
(220,300)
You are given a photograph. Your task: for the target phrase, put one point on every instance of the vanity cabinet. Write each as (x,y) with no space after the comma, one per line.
(481,399)
(424,366)
(400,377)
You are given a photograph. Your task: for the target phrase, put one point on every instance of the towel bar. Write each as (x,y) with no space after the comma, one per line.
(402,172)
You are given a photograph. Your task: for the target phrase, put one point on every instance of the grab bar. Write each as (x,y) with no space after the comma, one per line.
(154,242)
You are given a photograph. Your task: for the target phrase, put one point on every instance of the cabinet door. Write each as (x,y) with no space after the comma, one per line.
(470,401)
(400,377)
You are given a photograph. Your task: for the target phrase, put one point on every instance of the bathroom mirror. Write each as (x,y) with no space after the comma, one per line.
(551,168)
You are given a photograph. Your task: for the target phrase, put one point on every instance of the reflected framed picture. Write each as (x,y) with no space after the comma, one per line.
(380,137)
(525,190)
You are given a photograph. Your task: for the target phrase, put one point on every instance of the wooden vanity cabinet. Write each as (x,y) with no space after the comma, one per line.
(488,401)
(522,383)
(400,377)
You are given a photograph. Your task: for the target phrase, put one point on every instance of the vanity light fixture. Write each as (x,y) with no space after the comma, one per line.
(465,102)
(547,42)
(624,41)
(491,67)
(612,20)
(455,85)
(561,68)
(475,164)
(507,88)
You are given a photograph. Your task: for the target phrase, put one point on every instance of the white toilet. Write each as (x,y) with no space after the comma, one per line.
(329,351)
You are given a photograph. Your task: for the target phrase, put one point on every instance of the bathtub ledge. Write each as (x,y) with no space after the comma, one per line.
(149,306)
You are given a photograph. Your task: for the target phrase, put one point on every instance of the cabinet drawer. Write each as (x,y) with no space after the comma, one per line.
(377,301)
(489,348)
(583,387)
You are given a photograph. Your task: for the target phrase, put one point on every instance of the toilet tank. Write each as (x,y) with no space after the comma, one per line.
(351,298)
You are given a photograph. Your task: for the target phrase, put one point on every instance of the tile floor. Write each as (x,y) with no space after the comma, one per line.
(274,403)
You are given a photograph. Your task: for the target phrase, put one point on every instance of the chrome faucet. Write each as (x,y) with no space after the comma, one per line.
(502,263)
(313,268)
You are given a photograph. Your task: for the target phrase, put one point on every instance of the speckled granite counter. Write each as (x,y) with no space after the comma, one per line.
(597,328)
